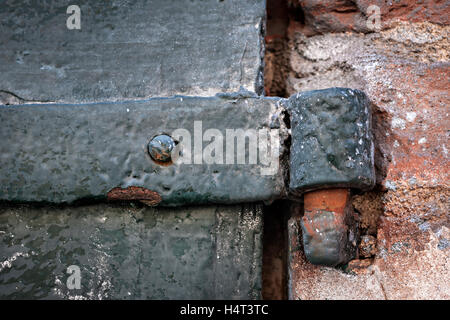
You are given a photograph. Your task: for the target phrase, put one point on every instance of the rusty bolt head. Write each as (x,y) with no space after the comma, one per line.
(160,148)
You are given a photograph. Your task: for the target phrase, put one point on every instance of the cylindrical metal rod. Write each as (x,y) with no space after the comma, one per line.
(329,227)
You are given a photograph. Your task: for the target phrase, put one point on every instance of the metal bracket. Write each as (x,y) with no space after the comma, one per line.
(62,153)
(176,151)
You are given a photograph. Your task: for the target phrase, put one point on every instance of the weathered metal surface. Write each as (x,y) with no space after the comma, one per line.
(130,50)
(131,252)
(61,153)
(329,227)
(332,147)
(332,142)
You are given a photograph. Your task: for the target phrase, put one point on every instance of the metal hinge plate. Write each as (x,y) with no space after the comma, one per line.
(232,148)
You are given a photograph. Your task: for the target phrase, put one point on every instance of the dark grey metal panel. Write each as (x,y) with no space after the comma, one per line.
(61,153)
(130,49)
(131,252)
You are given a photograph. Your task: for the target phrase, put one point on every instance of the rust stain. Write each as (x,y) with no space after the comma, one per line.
(149,197)
(162,163)
(316,203)
(328,199)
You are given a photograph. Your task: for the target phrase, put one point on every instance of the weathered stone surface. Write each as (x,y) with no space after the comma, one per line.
(331,140)
(403,273)
(131,252)
(405,71)
(434,11)
(367,246)
(358,266)
(124,51)
(413,262)
(323,16)
(369,207)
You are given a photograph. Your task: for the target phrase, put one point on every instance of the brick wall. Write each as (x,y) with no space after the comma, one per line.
(403,67)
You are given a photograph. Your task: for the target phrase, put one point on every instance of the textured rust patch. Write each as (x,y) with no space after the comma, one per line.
(149,197)
(370,207)
(358,266)
(367,246)
(329,199)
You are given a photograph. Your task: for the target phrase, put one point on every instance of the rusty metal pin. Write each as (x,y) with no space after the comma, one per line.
(160,148)
(329,227)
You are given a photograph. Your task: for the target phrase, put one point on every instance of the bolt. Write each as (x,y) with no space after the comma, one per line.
(160,148)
